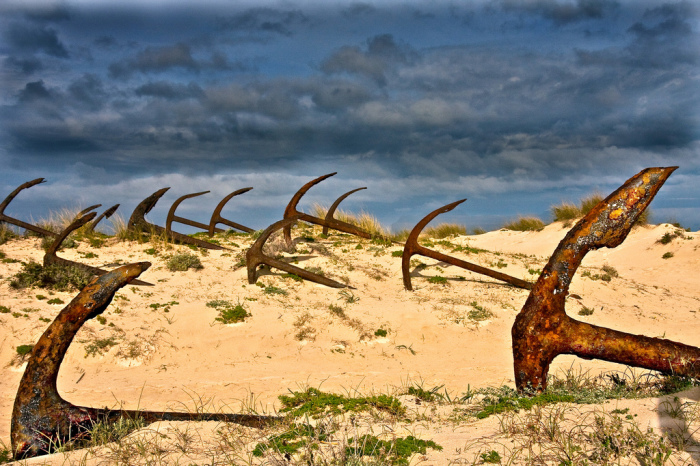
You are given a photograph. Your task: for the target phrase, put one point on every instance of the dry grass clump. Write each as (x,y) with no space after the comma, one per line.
(364,220)
(445,230)
(565,211)
(525,224)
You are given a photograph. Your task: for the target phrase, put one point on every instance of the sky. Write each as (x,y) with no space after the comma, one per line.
(514,105)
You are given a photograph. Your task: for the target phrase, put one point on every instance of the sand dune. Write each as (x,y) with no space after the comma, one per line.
(165,349)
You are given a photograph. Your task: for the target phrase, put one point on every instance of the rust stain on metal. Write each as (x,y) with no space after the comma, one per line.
(255,257)
(50,257)
(20,223)
(291,211)
(216,217)
(138,221)
(542,330)
(41,418)
(412,247)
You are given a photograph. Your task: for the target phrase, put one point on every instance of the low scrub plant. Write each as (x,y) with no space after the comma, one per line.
(54,276)
(183,262)
(228,312)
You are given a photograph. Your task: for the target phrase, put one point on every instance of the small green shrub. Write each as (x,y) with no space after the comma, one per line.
(24,350)
(492,457)
(380,332)
(478,313)
(100,346)
(397,253)
(396,451)
(315,403)
(4,310)
(272,289)
(184,262)
(294,277)
(438,280)
(228,312)
(55,301)
(585,311)
(525,224)
(54,276)
(667,255)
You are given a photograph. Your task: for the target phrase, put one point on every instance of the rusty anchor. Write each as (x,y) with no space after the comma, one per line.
(216,217)
(138,221)
(291,211)
(106,214)
(542,330)
(255,257)
(329,220)
(20,223)
(412,247)
(50,256)
(41,418)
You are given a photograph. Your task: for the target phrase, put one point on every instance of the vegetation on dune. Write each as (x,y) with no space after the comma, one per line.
(525,224)
(54,276)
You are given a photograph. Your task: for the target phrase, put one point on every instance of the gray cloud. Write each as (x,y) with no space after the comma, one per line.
(265,20)
(33,38)
(382,53)
(562,12)
(26,66)
(170,91)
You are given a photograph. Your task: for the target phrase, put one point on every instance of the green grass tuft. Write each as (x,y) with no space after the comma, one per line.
(55,276)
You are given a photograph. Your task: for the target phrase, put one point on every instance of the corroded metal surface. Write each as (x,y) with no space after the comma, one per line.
(20,223)
(185,221)
(291,211)
(106,214)
(216,217)
(138,221)
(329,220)
(255,257)
(50,257)
(542,330)
(41,418)
(412,247)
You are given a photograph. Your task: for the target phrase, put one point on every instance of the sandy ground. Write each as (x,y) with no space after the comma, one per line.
(171,353)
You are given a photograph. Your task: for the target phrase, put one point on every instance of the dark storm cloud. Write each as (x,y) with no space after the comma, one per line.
(34,91)
(562,12)
(381,54)
(265,20)
(26,66)
(88,92)
(170,91)
(359,9)
(33,38)
(47,12)
(105,41)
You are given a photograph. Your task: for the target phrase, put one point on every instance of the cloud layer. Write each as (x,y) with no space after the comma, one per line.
(517,104)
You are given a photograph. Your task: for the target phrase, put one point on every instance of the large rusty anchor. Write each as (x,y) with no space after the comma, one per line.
(330,221)
(412,247)
(138,221)
(216,217)
(542,330)
(50,256)
(255,257)
(20,223)
(291,211)
(41,418)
